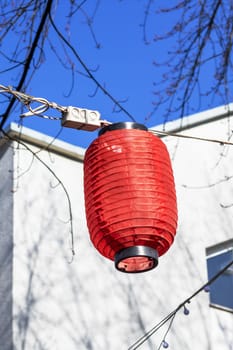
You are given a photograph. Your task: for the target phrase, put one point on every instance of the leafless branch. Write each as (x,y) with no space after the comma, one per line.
(88,71)
(29,59)
(203,37)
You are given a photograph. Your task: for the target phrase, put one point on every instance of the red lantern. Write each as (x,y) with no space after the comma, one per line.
(130,196)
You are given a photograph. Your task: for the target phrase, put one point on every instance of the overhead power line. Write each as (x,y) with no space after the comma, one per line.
(43,105)
(164,133)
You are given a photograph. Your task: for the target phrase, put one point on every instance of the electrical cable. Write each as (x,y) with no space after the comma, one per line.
(154,329)
(45,105)
(163,342)
(164,133)
(27,100)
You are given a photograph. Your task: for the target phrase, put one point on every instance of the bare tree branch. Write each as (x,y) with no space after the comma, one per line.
(91,76)
(203,38)
(28,60)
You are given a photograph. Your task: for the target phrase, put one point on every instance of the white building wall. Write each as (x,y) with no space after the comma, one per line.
(87,304)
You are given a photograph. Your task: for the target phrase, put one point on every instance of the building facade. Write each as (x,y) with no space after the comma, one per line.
(50,299)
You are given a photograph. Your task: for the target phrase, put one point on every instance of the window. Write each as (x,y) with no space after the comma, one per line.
(221,290)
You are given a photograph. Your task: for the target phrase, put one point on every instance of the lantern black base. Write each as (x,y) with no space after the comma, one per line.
(136,259)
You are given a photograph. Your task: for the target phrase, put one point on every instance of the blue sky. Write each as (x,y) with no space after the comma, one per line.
(123,65)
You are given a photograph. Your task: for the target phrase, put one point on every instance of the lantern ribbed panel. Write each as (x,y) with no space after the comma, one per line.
(129,190)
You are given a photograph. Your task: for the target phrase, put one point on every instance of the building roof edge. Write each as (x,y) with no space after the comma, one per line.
(44,141)
(196,119)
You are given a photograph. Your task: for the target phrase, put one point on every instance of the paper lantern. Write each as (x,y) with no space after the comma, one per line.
(130,198)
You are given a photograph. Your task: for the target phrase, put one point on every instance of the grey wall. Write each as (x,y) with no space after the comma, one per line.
(6,246)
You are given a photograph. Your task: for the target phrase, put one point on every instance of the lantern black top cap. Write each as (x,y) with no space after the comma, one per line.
(122,125)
